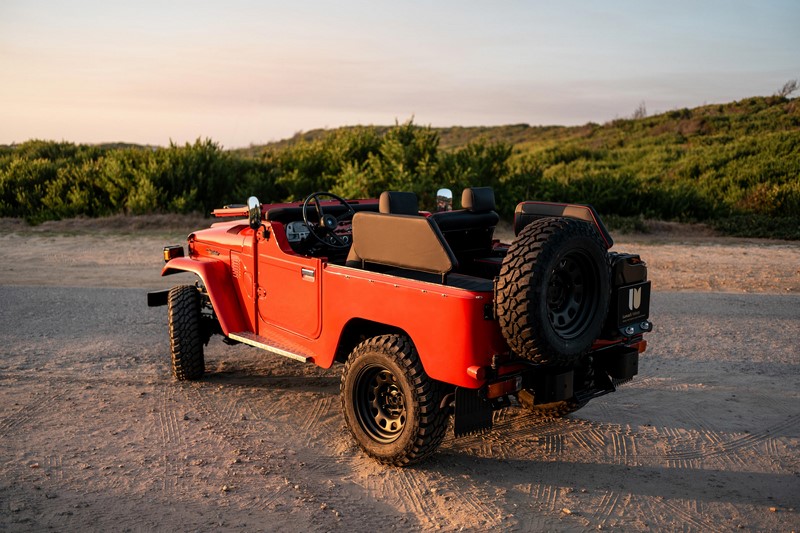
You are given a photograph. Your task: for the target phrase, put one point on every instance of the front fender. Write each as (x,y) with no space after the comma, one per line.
(217,280)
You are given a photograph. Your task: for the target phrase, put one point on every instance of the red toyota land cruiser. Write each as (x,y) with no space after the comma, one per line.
(429,314)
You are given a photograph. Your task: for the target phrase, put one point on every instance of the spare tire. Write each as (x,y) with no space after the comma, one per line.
(553,291)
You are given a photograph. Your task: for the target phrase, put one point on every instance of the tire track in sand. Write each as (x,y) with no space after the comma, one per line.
(428,495)
(172,440)
(39,405)
(717,447)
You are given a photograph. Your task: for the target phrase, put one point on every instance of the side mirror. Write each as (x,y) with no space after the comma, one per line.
(444,200)
(254,212)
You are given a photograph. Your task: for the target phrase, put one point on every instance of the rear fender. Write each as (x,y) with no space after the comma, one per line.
(217,280)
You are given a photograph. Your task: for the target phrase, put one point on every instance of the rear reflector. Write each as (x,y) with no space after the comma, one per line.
(477,372)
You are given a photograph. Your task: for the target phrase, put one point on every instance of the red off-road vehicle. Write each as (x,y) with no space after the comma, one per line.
(430,316)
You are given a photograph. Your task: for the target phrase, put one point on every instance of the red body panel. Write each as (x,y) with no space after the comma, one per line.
(216,276)
(350,293)
(306,303)
(290,294)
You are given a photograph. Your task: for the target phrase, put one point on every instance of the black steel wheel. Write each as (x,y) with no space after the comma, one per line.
(553,291)
(186,341)
(571,303)
(390,405)
(380,403)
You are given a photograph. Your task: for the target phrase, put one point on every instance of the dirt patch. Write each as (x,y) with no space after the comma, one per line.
(97,435)
(126,225)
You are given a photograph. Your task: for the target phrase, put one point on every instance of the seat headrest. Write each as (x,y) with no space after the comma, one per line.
(478,199)
(399,203)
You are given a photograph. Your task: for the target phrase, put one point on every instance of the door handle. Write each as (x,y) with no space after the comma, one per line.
(308,274)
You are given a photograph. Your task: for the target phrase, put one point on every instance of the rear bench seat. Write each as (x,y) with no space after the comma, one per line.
(407,246)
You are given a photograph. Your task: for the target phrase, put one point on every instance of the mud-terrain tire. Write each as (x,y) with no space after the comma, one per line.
(186,343)
(391,406)
(553,291)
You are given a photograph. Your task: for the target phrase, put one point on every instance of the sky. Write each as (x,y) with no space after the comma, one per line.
(244,72)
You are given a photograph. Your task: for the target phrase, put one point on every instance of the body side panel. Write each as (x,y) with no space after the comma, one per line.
(216,277)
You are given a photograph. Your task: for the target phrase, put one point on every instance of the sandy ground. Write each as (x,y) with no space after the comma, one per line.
(95,434)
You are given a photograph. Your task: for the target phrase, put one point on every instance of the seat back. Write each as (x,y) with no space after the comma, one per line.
(469,231)
(478,199)
(398,203)
(400,241)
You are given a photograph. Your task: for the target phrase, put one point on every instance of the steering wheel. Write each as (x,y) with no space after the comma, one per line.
(325,230)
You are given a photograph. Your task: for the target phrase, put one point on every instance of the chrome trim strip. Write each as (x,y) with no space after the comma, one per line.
(260,342)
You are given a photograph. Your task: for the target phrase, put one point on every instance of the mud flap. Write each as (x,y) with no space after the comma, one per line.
(611,372)
(157,298)
(473,414)
(621,366)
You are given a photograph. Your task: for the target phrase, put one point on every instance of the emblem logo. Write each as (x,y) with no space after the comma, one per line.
(634,299)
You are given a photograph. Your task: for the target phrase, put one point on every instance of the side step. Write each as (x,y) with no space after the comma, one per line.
(264,344)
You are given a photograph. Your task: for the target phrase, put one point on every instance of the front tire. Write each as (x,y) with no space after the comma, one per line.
(186,343)
(391,406)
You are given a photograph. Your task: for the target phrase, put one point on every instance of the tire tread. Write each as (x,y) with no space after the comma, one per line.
(537,245)
(186,345)
(432,420)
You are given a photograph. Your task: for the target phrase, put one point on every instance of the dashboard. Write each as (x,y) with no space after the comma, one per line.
(296,231)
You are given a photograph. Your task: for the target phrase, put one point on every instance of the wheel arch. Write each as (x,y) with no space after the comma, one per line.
(357,330)
(217,280)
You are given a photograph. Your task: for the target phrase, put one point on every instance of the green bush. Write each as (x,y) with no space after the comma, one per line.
(736,165)
(759,226)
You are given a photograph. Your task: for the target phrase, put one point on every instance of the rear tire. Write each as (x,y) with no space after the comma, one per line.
(186,343)
(553,291)
(391,406)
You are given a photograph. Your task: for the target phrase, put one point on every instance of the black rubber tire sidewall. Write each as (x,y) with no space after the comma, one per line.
(425,421)
(522,295)
(186,344)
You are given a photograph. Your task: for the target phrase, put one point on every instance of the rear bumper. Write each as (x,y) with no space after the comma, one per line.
(597,375)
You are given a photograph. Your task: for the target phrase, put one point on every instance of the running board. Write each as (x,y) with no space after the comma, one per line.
(262,343)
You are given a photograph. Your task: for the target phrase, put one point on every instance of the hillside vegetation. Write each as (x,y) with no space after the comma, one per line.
(736,166)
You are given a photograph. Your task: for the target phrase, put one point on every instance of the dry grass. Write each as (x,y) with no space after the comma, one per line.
(123,224)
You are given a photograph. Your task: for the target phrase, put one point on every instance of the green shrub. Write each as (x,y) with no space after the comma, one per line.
(759,226)
(736,164)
